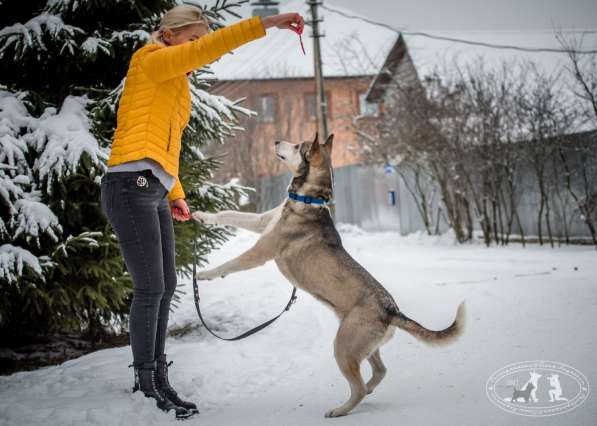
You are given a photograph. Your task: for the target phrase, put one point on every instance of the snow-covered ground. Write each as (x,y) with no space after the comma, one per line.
(522,304)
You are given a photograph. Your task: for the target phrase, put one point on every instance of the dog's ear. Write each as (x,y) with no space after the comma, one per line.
(329,143)
(316,139)
(313,150)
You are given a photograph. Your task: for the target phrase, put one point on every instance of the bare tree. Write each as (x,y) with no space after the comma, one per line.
(583,69)
(475,133)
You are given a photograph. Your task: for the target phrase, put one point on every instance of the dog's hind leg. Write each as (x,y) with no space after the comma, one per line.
(379,370)
(353,343)
(351,369)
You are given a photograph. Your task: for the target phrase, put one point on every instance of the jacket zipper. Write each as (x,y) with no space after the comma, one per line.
(170,129)
(169,136)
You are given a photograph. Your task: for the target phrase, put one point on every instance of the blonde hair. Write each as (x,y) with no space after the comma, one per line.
(177,19)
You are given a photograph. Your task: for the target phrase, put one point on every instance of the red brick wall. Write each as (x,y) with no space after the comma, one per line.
(253,148)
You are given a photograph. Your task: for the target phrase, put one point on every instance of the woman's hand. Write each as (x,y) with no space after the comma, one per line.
(180,210)
(291,21)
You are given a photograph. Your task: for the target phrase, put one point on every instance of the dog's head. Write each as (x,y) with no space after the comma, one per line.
(310,164)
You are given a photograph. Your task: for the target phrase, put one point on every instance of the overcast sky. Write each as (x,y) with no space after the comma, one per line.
(474,14)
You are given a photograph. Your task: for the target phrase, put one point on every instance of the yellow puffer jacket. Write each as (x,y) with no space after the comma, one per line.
(155,105)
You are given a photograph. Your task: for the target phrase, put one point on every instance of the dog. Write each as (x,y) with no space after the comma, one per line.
(535,381)
(300,236)
(522,393)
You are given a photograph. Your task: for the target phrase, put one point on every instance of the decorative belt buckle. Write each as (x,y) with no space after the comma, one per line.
(142,181)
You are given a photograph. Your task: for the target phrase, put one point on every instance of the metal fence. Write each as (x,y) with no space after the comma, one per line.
(367,196)
(363,197)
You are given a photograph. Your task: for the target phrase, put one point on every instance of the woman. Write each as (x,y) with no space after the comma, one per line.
(143,169)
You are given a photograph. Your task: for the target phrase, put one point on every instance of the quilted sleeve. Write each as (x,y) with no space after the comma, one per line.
(176,192)
(171,61)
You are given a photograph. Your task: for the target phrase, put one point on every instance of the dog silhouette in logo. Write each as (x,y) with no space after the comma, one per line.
(522,393)
(555,393)
(535,381)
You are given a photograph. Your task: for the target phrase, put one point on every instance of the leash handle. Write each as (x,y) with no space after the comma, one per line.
(196,297)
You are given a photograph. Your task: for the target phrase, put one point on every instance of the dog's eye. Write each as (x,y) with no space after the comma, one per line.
(296,147)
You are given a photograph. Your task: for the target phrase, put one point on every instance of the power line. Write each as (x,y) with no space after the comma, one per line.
(457,40)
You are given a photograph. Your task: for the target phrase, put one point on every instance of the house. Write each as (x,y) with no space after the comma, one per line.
(278,82)
(408,65)
(377,198)
(413,58)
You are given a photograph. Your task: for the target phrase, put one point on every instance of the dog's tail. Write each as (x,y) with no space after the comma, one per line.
(432,337)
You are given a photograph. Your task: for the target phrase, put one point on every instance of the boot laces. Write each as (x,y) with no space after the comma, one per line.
(156,389)
(164,375)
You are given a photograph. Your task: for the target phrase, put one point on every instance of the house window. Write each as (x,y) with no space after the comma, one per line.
(266,108)
(311,106)
(367,108)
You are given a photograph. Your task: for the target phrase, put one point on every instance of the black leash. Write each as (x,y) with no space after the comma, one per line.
(196,296)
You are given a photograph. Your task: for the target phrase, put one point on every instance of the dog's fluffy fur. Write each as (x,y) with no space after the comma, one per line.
(303,241)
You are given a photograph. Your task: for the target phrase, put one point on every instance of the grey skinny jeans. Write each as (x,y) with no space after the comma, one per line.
(136,206)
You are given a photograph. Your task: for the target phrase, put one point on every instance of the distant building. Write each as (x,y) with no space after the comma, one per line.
(278,83)
(413,58)
(286,110)
(360,61)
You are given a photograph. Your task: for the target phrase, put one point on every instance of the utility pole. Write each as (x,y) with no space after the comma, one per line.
(322,110)
(322,122)
(263,8)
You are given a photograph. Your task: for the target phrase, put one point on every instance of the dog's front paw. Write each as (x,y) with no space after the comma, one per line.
(204,217)
(204,276)
(336,412)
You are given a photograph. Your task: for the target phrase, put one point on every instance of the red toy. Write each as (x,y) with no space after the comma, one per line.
(299,30)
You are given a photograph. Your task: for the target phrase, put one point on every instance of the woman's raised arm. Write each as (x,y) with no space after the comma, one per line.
(171,61)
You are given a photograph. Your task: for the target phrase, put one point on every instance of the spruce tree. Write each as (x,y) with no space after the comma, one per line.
(62,70)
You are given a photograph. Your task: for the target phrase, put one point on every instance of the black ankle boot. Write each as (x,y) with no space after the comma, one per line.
(164,385)
(145,381)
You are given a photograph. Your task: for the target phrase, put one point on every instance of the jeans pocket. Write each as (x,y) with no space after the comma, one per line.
(143,186)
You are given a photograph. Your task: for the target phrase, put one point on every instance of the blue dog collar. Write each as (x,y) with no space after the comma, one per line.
(306,199)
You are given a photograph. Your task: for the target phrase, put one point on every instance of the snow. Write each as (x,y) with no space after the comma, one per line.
(33,219)
(60,139)
(93,45)
(8,188)
(429,53)
(12,261)
(215,191)
(63,136)
(64,5)
(355,47)
(522,303)
(215,106)
(279,54)
(215,112)
(448,58)
(31,33)
(125,36)
(13,149)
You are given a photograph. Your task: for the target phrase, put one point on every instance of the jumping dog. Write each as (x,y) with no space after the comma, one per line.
(300,236)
